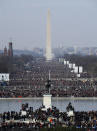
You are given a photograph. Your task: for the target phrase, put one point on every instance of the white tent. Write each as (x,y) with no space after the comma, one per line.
(64,62)
(76,69)
(67,62)
(73,66)
(80,69)
(70,65)
(4,76)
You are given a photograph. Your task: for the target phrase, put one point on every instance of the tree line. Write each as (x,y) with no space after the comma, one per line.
(12,64)
(89,63)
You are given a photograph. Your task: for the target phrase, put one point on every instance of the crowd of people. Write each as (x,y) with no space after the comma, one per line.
(31,82)
(50,118)
(59,88)
(38,73)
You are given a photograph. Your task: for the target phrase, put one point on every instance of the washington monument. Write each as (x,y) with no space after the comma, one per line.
(48,39)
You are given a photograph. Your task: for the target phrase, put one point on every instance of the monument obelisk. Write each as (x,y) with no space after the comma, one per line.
(48,39)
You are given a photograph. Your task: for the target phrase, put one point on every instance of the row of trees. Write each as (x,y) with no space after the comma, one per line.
(89,63)
(11,64)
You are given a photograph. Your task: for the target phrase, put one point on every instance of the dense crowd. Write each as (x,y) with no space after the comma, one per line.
(38,73)
(50,118)
(31,82)
(60,88)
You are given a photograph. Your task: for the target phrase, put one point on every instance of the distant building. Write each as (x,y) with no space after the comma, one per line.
(5,51)
(10,51)
(75,49)
(90,51)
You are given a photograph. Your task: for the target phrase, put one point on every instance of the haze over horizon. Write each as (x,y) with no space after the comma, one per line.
(73,23)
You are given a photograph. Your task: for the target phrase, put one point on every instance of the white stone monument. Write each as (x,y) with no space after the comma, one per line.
(49,54)
(47,101)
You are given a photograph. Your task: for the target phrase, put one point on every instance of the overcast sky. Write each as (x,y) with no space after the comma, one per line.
(73,23)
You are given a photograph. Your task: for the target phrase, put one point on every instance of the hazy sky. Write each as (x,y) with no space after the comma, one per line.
(73,22)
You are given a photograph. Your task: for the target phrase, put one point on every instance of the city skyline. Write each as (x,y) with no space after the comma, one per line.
(73,23)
